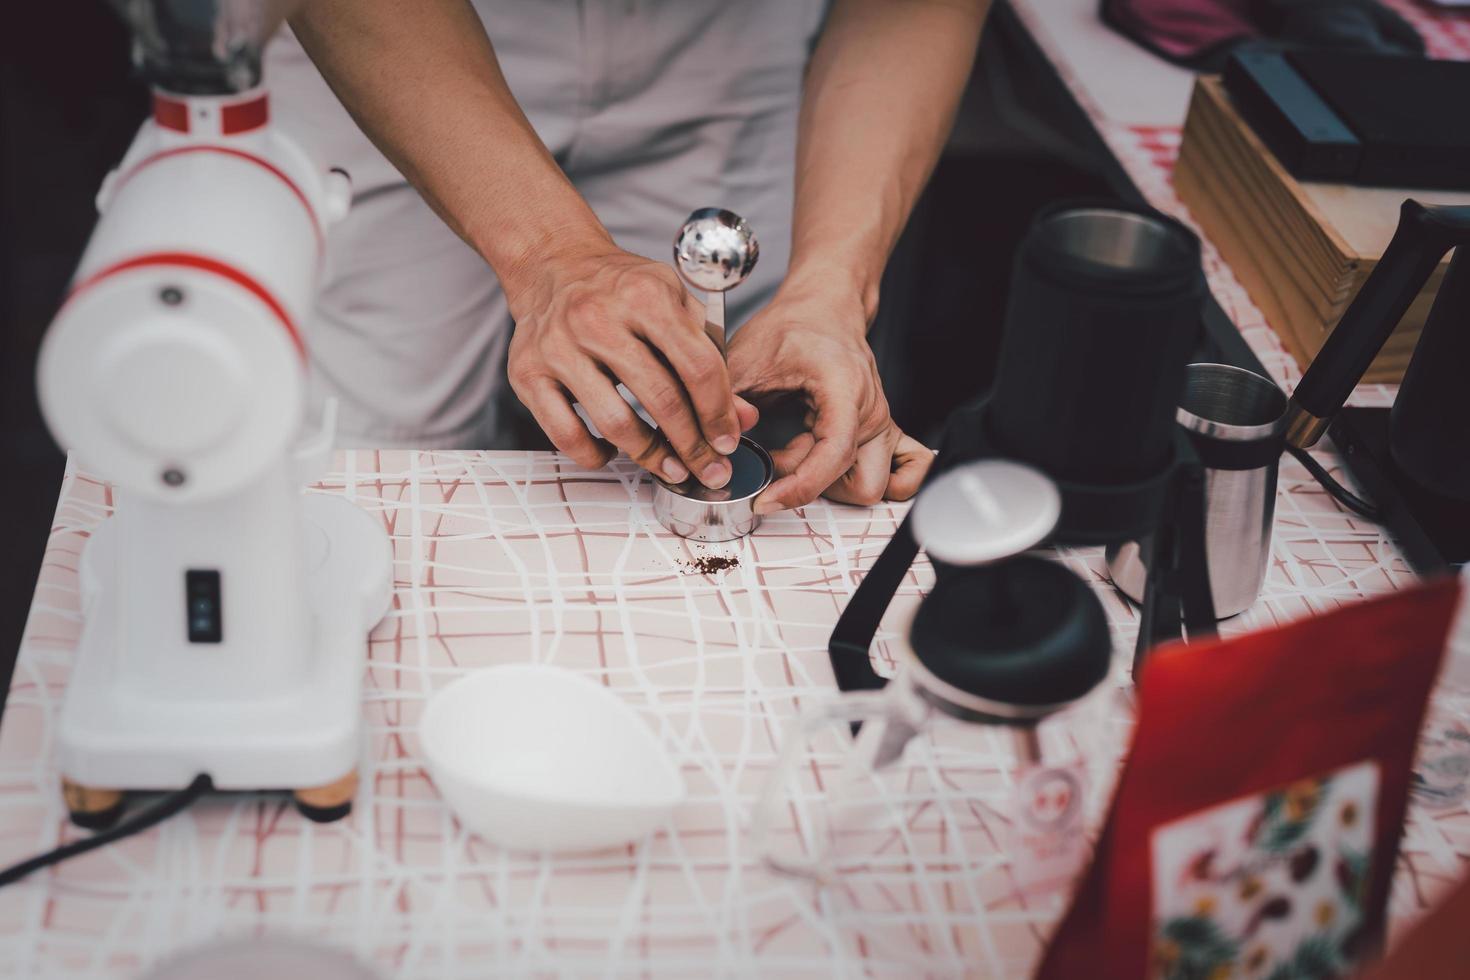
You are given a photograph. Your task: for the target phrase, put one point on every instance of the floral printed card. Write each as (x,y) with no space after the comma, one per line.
(1266,886)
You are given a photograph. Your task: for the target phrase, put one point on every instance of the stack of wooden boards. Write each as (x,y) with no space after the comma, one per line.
(1301,249)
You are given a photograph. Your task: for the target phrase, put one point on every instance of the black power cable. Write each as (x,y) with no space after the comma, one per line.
(1336,490)
(166,807)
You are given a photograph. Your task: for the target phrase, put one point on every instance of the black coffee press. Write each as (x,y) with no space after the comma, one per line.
(1104,314)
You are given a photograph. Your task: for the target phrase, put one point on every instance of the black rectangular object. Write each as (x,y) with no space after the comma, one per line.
(1408,114)
(1303,131)
(203,606)
(1349,117)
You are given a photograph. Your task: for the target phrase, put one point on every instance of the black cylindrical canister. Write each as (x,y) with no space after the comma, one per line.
(1104,314)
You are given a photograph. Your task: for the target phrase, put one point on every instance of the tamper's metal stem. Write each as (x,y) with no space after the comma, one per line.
(714,319)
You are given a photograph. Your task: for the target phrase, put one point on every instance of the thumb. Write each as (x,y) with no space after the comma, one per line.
(747,413)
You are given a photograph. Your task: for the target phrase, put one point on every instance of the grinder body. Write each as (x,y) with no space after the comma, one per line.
(224,612)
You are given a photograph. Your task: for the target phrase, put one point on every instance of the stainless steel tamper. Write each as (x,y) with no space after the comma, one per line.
(715,251)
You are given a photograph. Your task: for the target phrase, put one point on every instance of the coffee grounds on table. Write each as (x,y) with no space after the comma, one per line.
(707,564)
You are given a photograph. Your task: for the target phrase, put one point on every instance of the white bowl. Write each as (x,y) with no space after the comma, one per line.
(542,759)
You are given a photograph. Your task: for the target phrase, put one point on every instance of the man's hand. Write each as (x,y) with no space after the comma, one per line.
(588,319)
(810,341)
(878,101)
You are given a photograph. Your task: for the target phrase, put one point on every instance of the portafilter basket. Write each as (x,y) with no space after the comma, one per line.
(699,513)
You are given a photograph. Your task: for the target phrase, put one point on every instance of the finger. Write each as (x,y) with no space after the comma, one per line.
(702,370)
(865,482)
(552,410)
(789,456)
(835,432)
(622,427)
(748,414)
(911,462)
(667,401)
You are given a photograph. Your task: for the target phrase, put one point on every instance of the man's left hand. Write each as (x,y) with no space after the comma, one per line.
(811,341)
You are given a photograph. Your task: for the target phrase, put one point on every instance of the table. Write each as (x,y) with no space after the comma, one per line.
(504,558)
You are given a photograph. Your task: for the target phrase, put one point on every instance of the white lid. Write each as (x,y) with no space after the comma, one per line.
(985,511)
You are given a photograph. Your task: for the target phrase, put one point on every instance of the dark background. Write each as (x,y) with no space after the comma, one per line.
(68,109)
(69,105)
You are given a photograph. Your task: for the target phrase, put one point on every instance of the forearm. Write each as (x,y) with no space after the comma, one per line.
(880,98)
(422,81)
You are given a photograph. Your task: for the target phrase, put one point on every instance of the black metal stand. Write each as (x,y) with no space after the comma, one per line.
(1177,584)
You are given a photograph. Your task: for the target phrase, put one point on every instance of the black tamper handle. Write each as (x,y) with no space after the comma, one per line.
(1423,236)
(852,638)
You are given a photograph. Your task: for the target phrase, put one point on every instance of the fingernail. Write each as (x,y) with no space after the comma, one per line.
(725,445)
(674,471)
(766,505)
(715,475)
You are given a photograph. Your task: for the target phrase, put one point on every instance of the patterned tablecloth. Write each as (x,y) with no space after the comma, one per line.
(512,558)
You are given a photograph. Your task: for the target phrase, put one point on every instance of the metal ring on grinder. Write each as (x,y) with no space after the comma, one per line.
(694,511)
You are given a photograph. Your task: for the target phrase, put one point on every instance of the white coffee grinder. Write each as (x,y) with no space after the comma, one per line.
(225,610)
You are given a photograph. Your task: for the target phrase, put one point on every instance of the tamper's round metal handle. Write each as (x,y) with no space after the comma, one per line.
(715,250)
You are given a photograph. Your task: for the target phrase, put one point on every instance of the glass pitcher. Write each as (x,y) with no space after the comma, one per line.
(916,778)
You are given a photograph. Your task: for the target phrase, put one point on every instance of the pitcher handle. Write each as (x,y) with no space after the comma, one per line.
(874,746)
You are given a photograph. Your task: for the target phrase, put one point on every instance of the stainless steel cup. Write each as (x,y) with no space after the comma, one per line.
(1234,419)
(699,513)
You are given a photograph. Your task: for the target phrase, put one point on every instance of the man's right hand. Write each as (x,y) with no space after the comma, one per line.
(589,318)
